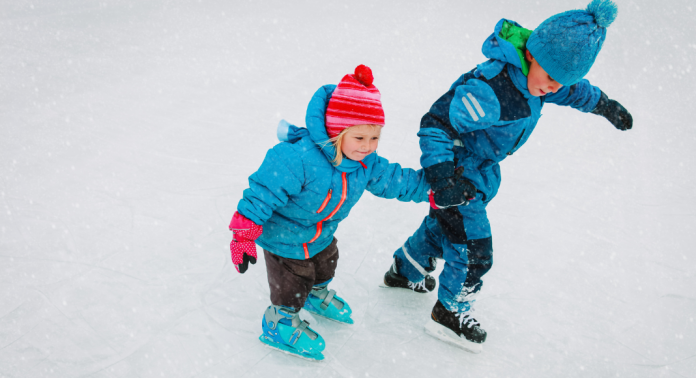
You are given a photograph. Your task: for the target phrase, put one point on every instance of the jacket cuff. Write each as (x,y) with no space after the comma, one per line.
(601,104)
(240,222)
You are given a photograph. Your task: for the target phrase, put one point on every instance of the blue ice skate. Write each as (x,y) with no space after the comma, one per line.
(326,303)
(283,330)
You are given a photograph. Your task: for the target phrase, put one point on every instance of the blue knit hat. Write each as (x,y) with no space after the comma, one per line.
(566,45)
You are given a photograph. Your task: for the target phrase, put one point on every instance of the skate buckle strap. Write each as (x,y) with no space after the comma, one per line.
(327,301)
(274,314)
(327,296)
(303,327)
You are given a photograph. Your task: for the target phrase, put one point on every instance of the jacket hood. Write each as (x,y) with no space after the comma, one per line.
(506,46)
(316,130)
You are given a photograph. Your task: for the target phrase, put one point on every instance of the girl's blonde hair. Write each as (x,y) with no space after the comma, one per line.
(338,141)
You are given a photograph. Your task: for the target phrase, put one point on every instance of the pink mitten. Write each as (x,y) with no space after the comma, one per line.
(242,246)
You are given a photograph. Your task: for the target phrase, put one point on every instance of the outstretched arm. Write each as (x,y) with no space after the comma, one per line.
(582,96)
(590,99)
(392,181)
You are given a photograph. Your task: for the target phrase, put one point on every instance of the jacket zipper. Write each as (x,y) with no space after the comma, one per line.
(326,201)
(516,143)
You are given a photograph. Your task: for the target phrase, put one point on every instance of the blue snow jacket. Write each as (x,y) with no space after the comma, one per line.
(300,197)
(488,114)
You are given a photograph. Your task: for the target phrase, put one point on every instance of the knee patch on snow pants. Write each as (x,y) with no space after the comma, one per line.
(480,256)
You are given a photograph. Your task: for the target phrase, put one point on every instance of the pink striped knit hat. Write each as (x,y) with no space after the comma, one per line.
(354,102)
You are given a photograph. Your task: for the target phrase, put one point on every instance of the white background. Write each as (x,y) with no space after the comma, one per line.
(128,130)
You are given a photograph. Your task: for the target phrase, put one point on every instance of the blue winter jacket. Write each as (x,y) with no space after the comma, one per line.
(488,114)
(300,197)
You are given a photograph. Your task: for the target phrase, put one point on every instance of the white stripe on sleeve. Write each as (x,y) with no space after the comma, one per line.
(477,105)
(470,109)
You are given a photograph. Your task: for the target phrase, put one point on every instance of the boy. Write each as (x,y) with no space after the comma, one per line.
(488,114)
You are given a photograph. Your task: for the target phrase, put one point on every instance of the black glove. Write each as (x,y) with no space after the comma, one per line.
(614,112)
(449,188)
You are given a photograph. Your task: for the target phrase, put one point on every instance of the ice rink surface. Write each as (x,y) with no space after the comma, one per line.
(128,130)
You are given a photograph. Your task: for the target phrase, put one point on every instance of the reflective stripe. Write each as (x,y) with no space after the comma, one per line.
(470,109)
(476,105)
(414,262)
(458,143)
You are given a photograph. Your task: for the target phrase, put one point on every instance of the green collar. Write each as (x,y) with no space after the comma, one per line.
(518,37)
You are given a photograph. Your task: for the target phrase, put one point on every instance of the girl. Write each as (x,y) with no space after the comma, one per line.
(304,188)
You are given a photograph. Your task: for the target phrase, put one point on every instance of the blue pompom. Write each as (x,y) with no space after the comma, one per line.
(604,12)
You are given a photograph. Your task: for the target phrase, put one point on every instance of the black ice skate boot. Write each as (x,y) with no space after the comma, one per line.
(458,328)
(395,280)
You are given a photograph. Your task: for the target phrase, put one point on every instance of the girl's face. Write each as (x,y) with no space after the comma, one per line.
(360,141)
(539,82)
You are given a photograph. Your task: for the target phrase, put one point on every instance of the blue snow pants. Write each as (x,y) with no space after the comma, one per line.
(461,236)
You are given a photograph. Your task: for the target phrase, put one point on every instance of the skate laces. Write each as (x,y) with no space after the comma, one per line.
(467,318)
(417,285)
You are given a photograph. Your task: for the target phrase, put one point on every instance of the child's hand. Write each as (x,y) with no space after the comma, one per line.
(614,112)
(452,191)
(242,246)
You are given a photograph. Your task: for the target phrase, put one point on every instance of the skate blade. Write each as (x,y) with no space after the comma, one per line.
(445,334)
(289,350)
(347,321)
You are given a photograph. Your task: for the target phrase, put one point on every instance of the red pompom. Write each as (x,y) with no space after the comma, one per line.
(363,74)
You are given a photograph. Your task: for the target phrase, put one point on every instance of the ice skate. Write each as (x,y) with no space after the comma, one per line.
(283,330)
(326,303)
(392,279)
(457,328)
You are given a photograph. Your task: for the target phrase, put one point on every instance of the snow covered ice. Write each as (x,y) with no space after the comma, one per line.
(128,130)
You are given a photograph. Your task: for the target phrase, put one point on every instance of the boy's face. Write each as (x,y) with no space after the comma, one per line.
(360,141)
(539,82)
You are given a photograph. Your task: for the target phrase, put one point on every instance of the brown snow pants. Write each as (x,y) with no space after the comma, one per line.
(291,280)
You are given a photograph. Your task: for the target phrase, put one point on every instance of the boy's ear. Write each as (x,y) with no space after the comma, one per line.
(528,55)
